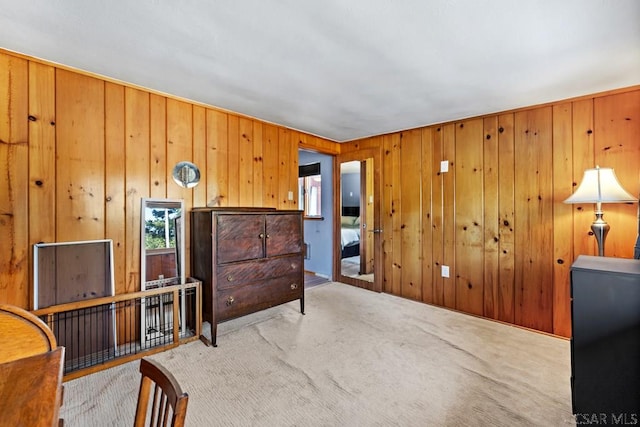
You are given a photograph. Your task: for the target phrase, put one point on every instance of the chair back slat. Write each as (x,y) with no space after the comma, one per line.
(168,403)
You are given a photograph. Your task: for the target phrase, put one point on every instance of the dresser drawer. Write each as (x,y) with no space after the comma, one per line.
(234,302)
(234,275)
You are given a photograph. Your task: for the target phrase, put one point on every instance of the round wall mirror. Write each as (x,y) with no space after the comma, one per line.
(186,174)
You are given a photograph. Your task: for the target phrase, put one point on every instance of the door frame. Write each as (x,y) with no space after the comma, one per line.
(378,271)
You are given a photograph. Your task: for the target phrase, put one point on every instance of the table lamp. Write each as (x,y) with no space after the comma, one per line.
(600,185)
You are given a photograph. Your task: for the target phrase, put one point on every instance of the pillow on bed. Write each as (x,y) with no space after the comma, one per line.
(347,221)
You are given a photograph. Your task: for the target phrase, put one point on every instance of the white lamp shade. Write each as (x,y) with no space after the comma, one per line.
(600,185)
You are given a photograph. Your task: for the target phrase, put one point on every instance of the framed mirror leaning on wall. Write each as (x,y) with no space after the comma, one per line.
(162,261)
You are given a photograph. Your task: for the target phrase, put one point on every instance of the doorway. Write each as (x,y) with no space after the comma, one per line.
(318,226)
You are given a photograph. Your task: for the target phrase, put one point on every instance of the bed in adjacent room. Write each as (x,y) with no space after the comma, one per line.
(350,231)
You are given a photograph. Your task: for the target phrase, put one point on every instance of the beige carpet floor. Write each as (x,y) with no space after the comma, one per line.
(357,358)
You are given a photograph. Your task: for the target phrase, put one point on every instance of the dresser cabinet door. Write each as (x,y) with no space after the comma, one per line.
(239,237)
(284,233)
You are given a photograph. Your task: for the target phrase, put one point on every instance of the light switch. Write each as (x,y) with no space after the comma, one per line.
(445,271)
(290,195)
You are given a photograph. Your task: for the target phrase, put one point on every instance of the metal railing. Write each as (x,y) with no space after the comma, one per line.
(103,332)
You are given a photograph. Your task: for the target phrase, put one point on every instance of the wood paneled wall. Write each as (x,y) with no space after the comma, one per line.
(496,218)
(79,152)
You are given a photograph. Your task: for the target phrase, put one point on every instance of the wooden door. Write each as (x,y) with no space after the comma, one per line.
(367,250)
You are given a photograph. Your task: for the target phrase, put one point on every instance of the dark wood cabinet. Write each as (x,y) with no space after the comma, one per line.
(605,343)
(248,260)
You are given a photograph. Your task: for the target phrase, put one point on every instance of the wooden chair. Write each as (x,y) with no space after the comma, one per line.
(168,406)
(22,334)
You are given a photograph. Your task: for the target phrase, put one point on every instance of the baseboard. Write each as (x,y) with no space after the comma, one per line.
(313,273)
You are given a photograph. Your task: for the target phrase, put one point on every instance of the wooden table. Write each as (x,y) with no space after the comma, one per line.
(31,390)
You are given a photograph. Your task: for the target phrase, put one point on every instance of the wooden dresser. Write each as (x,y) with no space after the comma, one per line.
(248,259)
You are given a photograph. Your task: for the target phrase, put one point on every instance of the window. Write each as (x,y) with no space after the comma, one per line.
(310,190)
(310,195)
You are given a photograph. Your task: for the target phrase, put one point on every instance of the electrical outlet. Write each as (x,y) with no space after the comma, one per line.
(444,166)
(290,195)
(445,271)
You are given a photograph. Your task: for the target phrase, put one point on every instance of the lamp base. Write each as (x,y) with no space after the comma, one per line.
(600,229)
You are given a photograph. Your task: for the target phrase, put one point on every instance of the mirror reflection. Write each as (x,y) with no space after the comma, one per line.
(356,182)
(162,243)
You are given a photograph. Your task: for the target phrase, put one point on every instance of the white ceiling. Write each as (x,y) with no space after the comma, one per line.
(341,69)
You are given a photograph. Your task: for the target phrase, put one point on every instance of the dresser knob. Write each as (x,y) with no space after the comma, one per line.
(294,286)
(229,278)
(230,300)
(261,235)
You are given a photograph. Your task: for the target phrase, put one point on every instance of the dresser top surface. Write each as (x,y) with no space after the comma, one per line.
(244,210)
(606,264)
